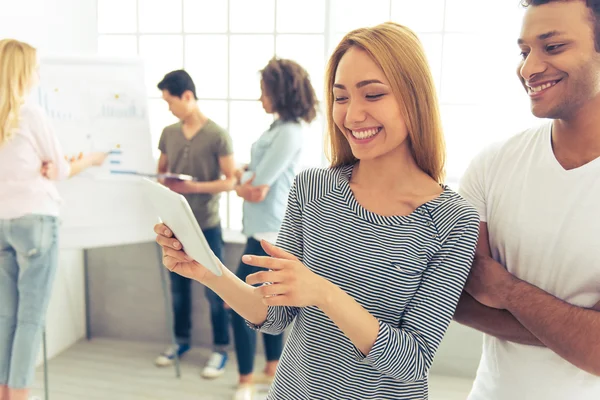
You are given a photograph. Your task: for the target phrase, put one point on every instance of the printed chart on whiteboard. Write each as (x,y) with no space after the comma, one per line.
(108,115)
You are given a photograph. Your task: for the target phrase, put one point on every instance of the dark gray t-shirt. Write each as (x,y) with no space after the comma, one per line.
(198,157)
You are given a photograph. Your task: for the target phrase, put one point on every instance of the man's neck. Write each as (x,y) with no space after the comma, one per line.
(576,141)
(195,119)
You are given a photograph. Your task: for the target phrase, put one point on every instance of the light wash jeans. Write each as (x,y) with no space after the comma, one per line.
(28,262)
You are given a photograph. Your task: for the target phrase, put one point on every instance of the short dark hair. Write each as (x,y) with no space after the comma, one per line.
(593,5)
(177,82)
(288,87)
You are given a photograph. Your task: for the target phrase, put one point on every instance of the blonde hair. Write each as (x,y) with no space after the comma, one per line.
(400,55)
(18,62)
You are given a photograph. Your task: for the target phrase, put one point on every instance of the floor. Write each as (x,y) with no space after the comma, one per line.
(107,369)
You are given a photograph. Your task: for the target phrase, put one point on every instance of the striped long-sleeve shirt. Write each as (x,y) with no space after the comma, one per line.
(407,271)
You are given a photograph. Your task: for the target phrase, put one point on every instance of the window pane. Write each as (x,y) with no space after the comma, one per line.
(206,61)
(312,150)
(117,16)
(248,122)
(215,110)
(468,131)
(160,16)
(160,117)
(248,55)
(460,16)
(503,70)
(252,16)
(465,137)
(472,62)
(23,9)
(117,45)
(461,80)
(205,16)
(432,43)
(335,39)
(235,211)
(420,16)
(308,51)
(306,16)
(223,209)
(351,14)
(162,54)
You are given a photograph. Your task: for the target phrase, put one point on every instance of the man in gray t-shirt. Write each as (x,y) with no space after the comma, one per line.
(201,157)
(199,147)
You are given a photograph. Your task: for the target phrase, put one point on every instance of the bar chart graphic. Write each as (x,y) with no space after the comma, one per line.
(121,106)
(52,100)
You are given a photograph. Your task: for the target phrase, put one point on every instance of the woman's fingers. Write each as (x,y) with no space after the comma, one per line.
(178,255)
(169,262)
(171,247)
(277,289)
(163,230)
(170,243)
(265,276)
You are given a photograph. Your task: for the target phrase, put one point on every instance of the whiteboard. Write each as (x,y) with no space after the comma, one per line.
(99,104)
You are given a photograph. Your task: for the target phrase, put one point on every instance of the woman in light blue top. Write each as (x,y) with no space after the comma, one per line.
(287,93)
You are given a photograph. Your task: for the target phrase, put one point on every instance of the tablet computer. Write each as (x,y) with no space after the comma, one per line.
(175,212)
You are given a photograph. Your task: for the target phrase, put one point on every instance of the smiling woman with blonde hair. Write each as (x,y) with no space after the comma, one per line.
(29,208)
(374,251)
(410,82)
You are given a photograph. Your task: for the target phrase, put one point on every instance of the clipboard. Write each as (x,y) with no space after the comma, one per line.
(166,175)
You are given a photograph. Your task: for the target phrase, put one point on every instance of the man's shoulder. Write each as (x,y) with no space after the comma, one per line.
(172,129)
(526,138)
(214,129)
(512,147)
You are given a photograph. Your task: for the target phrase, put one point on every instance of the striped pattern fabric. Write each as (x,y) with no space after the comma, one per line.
(407,271)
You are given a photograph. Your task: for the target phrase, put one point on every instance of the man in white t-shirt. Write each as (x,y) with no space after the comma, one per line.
(534,289)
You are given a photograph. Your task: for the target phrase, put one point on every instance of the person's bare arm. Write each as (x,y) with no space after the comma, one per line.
(163,164)
(499,323)
(240,296)
(570,331)
(566,329)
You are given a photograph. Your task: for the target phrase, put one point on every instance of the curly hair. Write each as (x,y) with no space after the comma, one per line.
(289,88)
(593,5)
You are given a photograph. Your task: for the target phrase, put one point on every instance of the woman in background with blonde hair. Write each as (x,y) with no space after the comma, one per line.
(30,156)
(374,251)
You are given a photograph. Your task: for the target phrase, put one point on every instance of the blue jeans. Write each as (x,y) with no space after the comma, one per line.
(181,292)
(28,262)
(244,337)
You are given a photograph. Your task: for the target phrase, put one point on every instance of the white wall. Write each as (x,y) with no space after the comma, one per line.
(57,27)
(53,26)
(459,352)
(65,320)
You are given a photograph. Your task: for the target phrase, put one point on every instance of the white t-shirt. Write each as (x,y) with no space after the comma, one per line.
(544,226)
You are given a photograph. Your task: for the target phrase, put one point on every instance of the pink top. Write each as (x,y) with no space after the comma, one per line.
(23,190)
